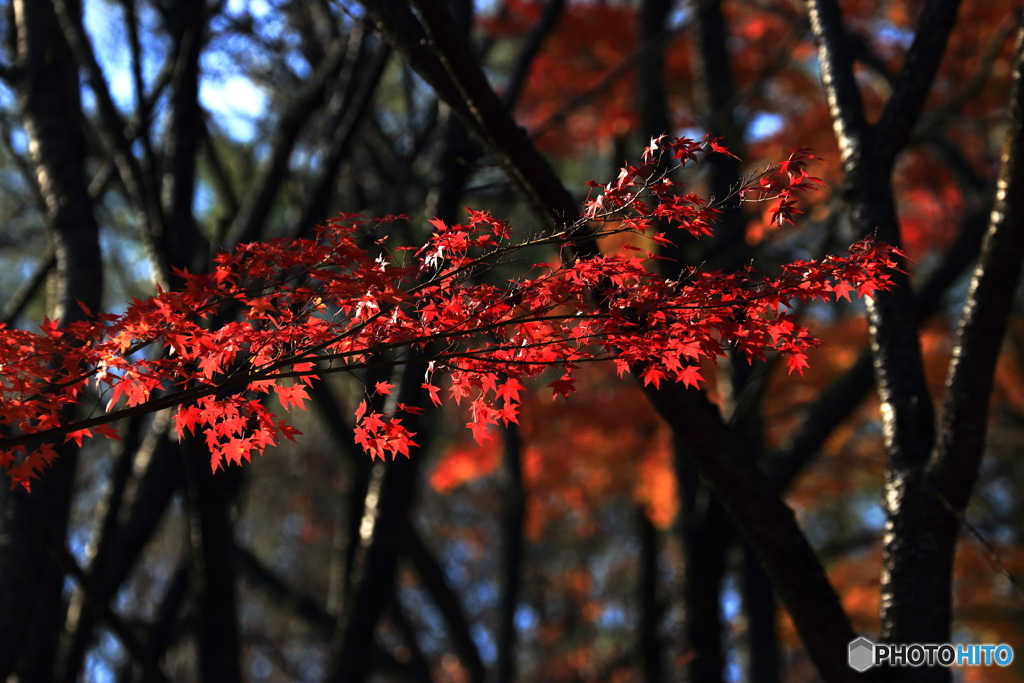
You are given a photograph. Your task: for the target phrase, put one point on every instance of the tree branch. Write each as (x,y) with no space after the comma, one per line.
(450,68)
(304,606)
(770,526)
(124,634)
(845,393)
(354,106)
(964,417)
(531,48)
(128,166)
(447,600)
(255,208)
(903,110)
(844,100)
(15,306)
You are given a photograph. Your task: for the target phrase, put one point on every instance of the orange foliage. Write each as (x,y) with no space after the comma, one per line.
(576,455)
(590,42)
(465,462)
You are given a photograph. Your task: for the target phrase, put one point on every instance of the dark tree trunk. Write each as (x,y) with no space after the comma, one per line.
(920,533)
(31,607)
(382,529)
(513,511)
(706,534)
(211,555)
(759,606)
(649,635)
(209,495)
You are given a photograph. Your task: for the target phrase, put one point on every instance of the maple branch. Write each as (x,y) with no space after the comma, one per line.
(271,371)
(903,109)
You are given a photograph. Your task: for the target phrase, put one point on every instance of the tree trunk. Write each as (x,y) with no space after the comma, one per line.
(31,607)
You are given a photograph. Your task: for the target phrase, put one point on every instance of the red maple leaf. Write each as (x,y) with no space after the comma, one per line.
(563,386)
(291,396)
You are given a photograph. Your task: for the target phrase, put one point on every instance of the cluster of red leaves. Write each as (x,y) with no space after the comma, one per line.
(272,316)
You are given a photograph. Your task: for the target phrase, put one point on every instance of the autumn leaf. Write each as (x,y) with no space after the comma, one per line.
(562,386)
(652,375)
(291,396)
(434,393)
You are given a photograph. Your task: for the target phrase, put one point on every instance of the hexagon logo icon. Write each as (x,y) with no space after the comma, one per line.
(862,654)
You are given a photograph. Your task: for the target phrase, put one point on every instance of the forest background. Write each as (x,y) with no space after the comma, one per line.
(616,536)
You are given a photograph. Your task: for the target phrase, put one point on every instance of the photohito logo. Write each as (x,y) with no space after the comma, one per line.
(864,654)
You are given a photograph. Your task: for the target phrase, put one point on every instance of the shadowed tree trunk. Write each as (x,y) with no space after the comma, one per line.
(31,606)
(209,495)
(513,512)
(390,494)
(706,534)
(650,648)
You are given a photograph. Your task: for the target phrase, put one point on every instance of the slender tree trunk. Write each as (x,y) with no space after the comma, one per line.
(513,511)
(211,552)
(31,607)
(649,645)
(717,88)
(706,535)
(759,607)
(920,534)
(382,528)
(209,495)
